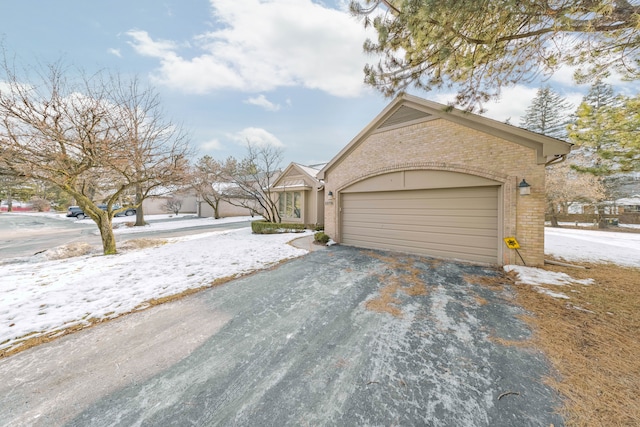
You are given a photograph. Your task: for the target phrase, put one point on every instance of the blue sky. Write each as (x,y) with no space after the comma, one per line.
(284,72)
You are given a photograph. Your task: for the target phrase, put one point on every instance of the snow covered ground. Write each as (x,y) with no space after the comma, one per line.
(46,295)
(593,246)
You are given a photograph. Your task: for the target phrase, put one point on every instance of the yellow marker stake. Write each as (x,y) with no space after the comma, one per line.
(512,243)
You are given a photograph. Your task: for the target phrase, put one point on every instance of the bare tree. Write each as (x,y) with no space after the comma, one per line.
(251,180)
(158,150)
(564,186)
(174,204)
(96,138)
(209,181)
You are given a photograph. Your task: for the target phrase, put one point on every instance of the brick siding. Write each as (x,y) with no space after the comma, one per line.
(443,145)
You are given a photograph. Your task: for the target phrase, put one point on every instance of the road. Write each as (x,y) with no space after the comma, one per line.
(339,337)
(24,235)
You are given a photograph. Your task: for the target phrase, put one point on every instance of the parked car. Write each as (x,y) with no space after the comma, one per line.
(77,212)
(128,212)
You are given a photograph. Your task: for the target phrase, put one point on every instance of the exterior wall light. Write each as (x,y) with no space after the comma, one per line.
(525,188)
(330,195)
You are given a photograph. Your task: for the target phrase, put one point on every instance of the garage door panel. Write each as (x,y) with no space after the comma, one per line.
(450,223)
(450,218)
(443,251)
(454,193)
(417,204)
(471,238)
(423,232)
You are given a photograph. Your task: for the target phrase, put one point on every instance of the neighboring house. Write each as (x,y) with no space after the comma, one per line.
(227,208)
(629,210)
(155,205)
(427,179)
(300,194)
(629,204)
(626,210)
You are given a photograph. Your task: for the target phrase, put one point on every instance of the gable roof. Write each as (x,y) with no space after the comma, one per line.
(297,176)
(408,109)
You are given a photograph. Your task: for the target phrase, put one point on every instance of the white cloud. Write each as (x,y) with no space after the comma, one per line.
(262,101)
(256,136)
(264,44)
(511,106)
(212,145)
(564,76)
(144,45)
(115,52)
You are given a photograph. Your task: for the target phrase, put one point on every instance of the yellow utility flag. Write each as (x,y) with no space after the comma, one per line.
(512,243)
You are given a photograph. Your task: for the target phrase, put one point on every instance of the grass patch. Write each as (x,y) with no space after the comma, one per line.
(593,341)
(141,244)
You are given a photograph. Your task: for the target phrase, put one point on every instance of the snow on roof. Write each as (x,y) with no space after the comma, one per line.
(629,201)
(310,170)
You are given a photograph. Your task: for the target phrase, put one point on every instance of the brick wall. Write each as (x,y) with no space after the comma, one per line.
(443,145)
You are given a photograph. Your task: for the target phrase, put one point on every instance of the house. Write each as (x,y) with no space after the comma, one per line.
(235,206)
(300,194)
(157,204)
(427,179)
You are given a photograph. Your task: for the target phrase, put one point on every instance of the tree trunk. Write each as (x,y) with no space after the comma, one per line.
(106,233)
(554,216)
(139,211)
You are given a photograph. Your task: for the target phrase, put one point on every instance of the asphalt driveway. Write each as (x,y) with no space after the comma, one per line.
(340,337)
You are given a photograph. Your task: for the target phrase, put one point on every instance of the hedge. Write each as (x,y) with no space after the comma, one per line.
(264,227)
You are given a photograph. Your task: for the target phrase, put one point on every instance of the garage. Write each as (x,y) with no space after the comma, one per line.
(427,179)
(453,223)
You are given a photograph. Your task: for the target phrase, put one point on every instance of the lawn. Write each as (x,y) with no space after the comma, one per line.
(593,337)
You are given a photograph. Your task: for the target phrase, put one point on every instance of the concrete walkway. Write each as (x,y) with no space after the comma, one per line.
(307,243)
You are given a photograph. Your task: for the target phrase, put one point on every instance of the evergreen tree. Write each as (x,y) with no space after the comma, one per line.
(600,95)
(547,114)
(479,47)
(607,134)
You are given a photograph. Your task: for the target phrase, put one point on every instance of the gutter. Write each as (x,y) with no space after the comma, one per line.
(556,160)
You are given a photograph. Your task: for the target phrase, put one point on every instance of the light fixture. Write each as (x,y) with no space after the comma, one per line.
(330,195)
(524,187)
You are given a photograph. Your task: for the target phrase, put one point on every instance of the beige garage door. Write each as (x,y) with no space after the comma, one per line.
(459,223)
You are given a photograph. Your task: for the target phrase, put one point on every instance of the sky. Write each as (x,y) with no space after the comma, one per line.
(280,72)
(62,287)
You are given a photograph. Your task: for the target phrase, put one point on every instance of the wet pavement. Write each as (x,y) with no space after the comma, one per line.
(341,336)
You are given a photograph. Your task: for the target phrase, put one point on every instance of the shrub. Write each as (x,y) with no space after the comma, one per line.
(40,205)
(264,227)
(320,237)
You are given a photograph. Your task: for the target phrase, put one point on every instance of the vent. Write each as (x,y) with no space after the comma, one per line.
(403,115)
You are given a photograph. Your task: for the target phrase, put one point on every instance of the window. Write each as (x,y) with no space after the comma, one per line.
(289,204)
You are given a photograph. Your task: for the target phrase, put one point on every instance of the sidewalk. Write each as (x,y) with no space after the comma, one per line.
(307,243)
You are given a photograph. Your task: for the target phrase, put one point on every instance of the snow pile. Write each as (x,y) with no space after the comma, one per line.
(48,295)
(537,277)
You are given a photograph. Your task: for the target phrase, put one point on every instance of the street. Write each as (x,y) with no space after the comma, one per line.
(24,234)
